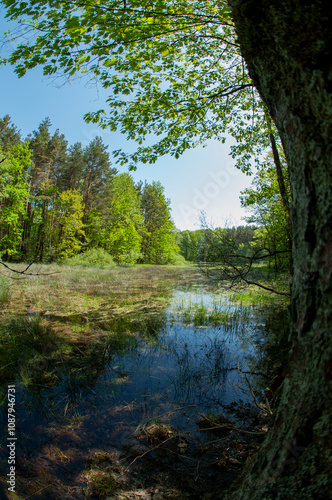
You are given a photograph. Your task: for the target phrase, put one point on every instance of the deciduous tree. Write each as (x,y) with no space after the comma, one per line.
(158,244)
(68,225)
(13,198)
(122,221)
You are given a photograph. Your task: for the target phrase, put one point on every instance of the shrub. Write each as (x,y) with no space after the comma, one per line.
(177,260)
(96,257)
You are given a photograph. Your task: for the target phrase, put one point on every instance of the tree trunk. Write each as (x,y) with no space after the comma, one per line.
(287,46)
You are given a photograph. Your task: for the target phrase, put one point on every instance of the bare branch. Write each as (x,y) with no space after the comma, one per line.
(24,272)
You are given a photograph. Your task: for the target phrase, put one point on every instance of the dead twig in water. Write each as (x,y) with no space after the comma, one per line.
(267,408)
(151,449)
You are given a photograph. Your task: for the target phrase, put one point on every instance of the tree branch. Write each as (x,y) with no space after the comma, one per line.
(24,272)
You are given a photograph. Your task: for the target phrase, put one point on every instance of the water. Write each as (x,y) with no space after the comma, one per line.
(180,363)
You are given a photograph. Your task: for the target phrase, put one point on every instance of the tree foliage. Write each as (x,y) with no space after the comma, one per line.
(265,205)
(158,243)
(123,221)
(9,135)
(242,255)
(69,223)
(174,71)
(13,197)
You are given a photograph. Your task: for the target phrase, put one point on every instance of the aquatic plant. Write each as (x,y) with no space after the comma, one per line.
(23,340)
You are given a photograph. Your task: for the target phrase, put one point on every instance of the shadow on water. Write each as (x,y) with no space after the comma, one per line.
(87,389)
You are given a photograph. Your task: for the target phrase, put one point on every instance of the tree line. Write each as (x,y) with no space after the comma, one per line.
(58,200)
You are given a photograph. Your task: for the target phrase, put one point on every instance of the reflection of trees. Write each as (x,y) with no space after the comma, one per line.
(198,369)
(271,351)
(76,374)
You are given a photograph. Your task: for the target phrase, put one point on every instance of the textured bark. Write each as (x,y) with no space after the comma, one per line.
(287,46)
(280,176)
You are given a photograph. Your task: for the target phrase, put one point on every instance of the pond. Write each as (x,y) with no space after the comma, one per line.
(101,396)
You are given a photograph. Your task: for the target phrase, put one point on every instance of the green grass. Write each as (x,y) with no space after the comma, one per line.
(24,341)
(220,311)
(4,290)
(255,295)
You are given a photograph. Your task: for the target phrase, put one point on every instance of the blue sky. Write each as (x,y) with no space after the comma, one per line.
(201,179)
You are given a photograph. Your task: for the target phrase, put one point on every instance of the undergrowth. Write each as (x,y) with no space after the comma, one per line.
(96,257)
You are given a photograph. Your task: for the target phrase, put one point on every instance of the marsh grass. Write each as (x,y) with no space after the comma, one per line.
(78,326)
(64,324)
(39,355)
(67,311)
(24,342)
(256,296)
(218,312)
(4,290)
(103,475)
(64,291)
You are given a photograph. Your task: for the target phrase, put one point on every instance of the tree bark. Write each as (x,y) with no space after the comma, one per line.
(287,46)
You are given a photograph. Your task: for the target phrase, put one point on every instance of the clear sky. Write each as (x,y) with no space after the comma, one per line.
(202,179)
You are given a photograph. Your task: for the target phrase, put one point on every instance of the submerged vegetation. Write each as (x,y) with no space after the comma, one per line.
(4,290)
(24,342)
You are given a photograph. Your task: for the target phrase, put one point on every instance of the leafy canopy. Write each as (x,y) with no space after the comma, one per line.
(173,69)
(158,245)
(14,191)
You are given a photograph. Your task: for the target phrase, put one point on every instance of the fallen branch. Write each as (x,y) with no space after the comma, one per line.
(151,449)
(266,409)
(24,272)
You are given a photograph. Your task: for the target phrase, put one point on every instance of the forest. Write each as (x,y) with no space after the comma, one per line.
(57,201)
